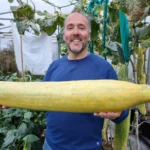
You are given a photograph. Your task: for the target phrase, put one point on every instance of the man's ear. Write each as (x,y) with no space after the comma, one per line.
(89,37)
(64,38)
(63,35)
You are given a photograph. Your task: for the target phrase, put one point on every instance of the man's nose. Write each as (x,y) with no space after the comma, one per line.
(76,31)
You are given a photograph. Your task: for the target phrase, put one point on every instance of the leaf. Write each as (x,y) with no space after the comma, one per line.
(14,8)
(22,130)
(18,113)
(24,12)
(146,13)
(33,27)
(115,60)
(115,35)
(145,44)
(60,36)
(113,46)
(40,13)
(95,27)
(22,27)
(113,14)
(32,128)
(116,51)
(49,26)
(140,24)
(30,138)
(9,139)
(28,142)
(3,130)
(10,1)
(25,25)
(60,21)
(123,6)
(143,33)
(123,73)
(27,115)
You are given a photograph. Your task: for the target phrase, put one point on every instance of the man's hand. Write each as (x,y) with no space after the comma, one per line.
(3,107)
(108,115)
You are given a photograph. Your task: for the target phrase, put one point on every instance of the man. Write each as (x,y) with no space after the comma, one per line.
(78,131)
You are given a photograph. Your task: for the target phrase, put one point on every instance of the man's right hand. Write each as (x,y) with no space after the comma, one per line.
(3,107)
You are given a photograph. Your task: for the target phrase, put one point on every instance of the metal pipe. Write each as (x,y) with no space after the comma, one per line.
(148,67)
(1,24)
(5,27)
(6,19)
(148,77)
(5,12)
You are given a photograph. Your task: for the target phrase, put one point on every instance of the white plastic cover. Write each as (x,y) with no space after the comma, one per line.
(37,51)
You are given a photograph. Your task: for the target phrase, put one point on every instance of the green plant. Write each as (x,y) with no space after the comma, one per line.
(20,128)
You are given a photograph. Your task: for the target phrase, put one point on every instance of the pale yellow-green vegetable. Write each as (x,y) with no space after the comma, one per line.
(122,129)
(122,134)
(141,77)
(104,131)
(74,96)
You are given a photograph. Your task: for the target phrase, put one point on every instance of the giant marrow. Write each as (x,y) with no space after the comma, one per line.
(74,96)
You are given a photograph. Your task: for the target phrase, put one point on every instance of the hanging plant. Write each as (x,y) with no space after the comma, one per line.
(24,18)
(49,24)
(24,12)
(133,9)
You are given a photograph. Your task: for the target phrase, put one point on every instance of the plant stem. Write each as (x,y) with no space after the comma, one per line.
(59,6)
(134,69)
(137,130)
(134,54)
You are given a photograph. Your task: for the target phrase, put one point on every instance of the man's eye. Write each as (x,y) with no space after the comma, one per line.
(82,28)
(69,28)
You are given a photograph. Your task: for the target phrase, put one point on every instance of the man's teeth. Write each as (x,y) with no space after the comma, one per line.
(76,40)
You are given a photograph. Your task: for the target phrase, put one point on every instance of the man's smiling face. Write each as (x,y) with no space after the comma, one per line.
(76,32)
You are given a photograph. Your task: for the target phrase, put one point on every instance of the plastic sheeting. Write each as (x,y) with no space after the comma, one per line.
(38,51)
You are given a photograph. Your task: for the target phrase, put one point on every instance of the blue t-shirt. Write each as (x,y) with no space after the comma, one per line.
(77,131)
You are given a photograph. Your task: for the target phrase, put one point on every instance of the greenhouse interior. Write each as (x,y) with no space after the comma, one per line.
(99,50)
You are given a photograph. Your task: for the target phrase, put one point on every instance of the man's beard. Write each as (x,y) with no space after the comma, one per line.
(80,50)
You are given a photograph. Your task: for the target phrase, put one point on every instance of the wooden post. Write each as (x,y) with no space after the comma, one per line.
(23,72)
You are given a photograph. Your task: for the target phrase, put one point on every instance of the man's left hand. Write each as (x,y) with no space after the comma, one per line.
(108,115)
